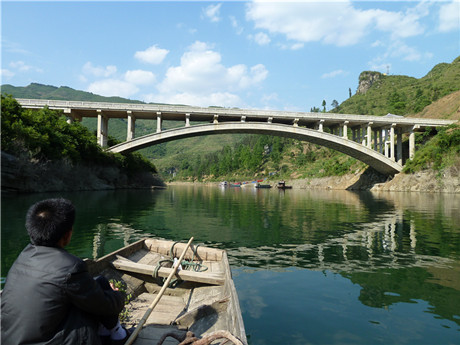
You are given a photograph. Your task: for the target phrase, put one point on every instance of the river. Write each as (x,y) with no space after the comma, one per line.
(310,266)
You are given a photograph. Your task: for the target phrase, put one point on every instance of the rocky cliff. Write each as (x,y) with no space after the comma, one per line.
(366,80)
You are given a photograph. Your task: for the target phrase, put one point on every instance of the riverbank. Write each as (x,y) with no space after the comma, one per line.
(21,175)
(429,181)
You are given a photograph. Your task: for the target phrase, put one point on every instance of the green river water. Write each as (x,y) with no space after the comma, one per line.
(310,267)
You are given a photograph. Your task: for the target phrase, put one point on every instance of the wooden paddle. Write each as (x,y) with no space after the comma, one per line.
(157,299)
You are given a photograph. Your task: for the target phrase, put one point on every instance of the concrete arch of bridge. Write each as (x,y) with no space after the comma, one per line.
(372,158)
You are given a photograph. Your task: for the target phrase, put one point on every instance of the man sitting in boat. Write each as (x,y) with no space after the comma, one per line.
(49,296)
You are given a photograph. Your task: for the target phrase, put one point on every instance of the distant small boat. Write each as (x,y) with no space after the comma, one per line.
(223,184)
(235,184)
(282,185)
(258,185)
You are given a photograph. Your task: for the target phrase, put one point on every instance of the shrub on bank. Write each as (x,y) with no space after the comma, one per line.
(437,153)
(43,136)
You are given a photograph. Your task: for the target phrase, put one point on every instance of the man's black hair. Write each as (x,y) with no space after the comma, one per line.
(48,220)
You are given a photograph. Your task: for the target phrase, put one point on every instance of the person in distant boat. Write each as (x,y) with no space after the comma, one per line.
(49,295)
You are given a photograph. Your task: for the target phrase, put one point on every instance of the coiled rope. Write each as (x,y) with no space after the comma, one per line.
(186,265)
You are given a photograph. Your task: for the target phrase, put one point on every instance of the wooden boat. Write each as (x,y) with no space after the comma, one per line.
(282,185)
(203,299)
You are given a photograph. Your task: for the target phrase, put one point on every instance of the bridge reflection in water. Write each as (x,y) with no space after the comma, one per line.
(389,240)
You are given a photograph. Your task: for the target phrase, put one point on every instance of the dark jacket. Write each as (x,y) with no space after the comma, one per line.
(50,298)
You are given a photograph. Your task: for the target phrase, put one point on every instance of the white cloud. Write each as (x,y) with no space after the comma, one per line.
(140,77)
(5,73)
(21,66)
(334,74)
(294,46)
(449,16)
(202,79)
(98,71)
(212,12)
(239,29)
(152,55)
(269,98)
(113,87)
(261,38)
(339,24)
(377,43)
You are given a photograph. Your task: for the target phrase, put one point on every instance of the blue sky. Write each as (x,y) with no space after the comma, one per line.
(260,54)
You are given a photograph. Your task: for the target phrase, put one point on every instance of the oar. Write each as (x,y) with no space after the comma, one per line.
(157,299)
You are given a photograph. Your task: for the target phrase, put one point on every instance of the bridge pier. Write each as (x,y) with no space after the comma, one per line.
(412,141)
(131,126)
(392,142)
(187,120)
(345,129)
(159,121)
(71,116)
(102,128)
(320,125)
(369,134)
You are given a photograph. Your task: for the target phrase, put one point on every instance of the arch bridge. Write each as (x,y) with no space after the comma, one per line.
(374,140)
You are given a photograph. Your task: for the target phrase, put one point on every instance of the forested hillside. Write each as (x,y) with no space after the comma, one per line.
(402,95)
(42,152)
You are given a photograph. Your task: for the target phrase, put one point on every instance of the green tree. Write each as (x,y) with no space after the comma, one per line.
(335,104)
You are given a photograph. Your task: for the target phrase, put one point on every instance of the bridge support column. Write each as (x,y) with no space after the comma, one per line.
(71,116)
(376,140)
(381,143)
(102,129)
(399,146)
(321,125)
(356,136)
(270,120)
(296,123)
(243,118)
(386,143)
(369,134)
(216,119)
(392,142)
(68,114)
(187,120)
(131,126)
(345,129)
(363,136)
(159,121)
(412,142)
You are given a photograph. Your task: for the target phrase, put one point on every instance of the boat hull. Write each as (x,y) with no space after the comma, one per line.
(202,301)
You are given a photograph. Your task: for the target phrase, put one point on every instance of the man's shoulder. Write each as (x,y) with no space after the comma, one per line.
(51,257)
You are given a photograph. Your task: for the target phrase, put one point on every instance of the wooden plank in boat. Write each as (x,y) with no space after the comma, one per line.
(214,266)
(165,312)
(199,252)
(199,277)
